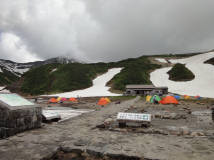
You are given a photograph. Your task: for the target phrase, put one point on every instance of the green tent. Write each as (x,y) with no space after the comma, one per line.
(155,98)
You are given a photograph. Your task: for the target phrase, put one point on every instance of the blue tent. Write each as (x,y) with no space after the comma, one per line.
(177,97)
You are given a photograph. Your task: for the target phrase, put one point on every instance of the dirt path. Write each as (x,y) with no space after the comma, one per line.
(80,134)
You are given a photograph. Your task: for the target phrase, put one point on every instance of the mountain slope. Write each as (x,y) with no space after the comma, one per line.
(135,71)
(7,77)
(11,71)
(59,75)
(201,85)
(54,78)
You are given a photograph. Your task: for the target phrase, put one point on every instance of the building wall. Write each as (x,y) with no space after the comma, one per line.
(145,92)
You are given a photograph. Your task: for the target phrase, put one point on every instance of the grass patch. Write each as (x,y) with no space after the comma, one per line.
(180,73)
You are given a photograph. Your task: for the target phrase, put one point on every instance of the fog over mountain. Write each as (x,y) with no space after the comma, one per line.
(103,30)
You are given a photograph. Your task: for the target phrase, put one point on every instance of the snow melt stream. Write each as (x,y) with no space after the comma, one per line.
(202,85)
(99,87)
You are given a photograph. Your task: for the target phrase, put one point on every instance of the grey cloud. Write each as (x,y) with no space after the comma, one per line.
(109,30)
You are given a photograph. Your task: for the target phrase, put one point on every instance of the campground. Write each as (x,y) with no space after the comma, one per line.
(183,131)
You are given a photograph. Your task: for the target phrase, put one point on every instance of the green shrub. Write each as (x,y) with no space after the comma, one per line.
(180,73)
(210,61)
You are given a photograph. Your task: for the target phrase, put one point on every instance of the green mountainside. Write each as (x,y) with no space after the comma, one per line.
(179,72)
(55,78)
(7,77)
(135,71)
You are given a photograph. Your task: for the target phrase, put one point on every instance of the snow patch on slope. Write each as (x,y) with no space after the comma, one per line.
(54,70)
(99,87)
(15,68)
(162,60)
(202,84)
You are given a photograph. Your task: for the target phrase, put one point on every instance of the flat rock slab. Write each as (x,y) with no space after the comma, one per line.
(80,133)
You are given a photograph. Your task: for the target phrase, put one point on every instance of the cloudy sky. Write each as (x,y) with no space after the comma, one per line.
(103,30)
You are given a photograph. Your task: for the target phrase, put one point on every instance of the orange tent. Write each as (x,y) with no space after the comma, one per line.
(103,101)
(53,100)
(169,100)
(73,99)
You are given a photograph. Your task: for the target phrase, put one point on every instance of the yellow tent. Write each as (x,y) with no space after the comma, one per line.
(108,100)
(58,99)
(186,97)
(148,98)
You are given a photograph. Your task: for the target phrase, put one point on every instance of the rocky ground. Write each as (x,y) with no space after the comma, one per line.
(185,131)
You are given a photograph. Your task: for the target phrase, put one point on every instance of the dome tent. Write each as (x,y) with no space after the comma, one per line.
(169,100)
(72,99)
(155,98)
(53,100)
(148,98)
(102,102)
(177,97)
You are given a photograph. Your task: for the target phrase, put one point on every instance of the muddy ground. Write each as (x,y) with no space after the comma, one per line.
(185,131)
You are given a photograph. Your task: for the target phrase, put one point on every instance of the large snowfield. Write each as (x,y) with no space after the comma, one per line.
(99,87)
(202,85)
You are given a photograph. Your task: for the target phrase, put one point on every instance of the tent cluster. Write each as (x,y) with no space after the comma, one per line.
(103,101)
(198,97)
(186,97)
(195,97)
(62,99)
(166,100)
(170,99)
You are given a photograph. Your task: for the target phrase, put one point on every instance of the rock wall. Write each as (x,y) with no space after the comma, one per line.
(15,121)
